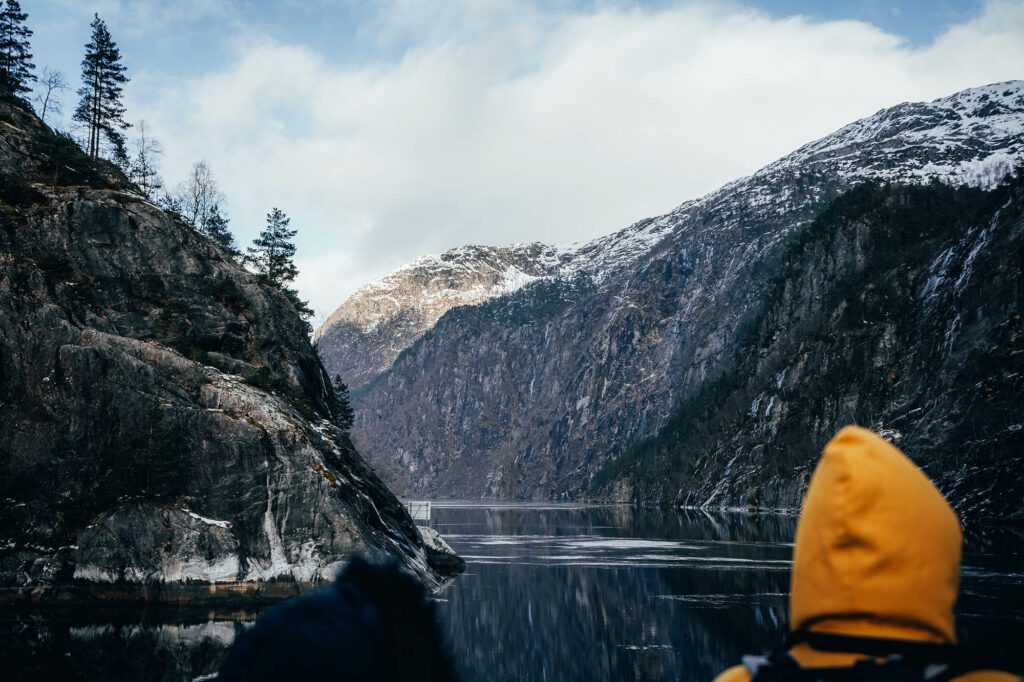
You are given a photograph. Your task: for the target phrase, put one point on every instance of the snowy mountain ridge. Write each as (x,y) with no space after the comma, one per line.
(974,137)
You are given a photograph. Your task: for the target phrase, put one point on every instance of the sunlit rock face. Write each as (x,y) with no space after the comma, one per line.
(165,418)
(363,337)
(533,392)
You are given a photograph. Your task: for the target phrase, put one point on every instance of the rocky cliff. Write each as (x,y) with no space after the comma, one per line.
(899,308)
(531,393)
(165,419)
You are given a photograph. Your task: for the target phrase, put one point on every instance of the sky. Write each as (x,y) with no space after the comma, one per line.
(393,129)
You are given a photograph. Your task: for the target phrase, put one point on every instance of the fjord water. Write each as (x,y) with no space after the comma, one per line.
(552,592)
(619,593)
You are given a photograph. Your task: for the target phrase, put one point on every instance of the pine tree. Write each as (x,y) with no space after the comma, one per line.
(271,256)
(100,107)
(271,253)
(15,56)
(344,416)
(216,228)
(170,203)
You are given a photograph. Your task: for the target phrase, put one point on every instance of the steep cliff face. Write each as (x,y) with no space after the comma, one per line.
(165,418)
(531,393)
(898,309)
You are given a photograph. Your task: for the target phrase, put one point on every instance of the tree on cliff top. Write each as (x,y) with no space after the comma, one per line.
(101,108)
(15,55)
(271,257)
(143,168)
(271,253)
(216,228)
(198,195)
(51,90)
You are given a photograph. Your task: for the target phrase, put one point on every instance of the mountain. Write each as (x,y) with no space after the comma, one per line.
(363,337)
(166,422)
(540,391)
(899,308)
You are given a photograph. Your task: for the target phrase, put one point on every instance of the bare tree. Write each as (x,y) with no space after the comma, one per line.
(198,196)
(143,168)
(51,86)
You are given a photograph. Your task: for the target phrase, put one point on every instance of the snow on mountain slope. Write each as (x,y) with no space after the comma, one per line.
(364,336)
(974,137)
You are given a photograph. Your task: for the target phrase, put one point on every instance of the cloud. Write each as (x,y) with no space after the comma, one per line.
(501,122)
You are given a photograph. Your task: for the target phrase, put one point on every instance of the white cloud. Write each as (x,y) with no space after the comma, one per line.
(506,122)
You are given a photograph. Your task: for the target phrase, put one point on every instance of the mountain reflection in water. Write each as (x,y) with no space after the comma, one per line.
(557,592)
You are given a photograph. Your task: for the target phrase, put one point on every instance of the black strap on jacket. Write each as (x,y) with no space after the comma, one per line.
(891,660)
(881,648)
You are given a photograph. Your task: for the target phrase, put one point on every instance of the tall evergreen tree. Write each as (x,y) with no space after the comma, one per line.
(103,78)
(15,51)
(271,256)
(344,416)
(216,228)
(271,253)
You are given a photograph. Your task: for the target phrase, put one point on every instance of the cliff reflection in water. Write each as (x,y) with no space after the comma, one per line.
(552,593)
(612,592)
(160,645)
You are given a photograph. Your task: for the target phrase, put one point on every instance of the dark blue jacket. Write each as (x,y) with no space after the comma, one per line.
(374,623)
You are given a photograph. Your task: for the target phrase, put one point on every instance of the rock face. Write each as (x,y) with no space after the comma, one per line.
(165,418)
(898,309)
(440,552)
(532,393)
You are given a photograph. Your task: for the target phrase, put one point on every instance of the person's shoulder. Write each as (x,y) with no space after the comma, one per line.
(739,673)
(987,676)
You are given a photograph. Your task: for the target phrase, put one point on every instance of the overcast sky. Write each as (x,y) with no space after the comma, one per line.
(393,129)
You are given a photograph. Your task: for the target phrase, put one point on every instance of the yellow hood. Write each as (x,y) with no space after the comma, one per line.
(877,546)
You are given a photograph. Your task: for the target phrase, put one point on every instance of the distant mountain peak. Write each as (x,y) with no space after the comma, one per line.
(386,316)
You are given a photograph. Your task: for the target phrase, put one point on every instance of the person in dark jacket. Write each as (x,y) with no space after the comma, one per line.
(374,623)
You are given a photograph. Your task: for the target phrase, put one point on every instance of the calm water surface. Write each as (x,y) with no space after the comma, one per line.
(555,592)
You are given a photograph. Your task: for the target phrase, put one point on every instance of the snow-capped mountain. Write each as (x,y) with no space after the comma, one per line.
(364,336)
(536,382)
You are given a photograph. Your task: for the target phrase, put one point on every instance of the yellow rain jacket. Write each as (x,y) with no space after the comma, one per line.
(877,555)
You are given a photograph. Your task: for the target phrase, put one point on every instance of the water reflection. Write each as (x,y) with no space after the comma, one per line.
(117,645)
(611,593)
(558,593)
(553,593)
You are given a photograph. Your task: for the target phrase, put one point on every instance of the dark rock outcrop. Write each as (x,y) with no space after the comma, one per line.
(164,416)
(531,394)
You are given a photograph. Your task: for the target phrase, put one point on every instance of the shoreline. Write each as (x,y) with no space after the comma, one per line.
(177,595)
